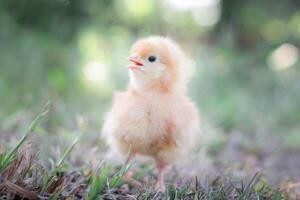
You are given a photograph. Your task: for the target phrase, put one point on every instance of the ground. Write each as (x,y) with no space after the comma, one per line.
(228,172)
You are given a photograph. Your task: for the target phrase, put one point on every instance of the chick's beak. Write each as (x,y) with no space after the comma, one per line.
(136,63)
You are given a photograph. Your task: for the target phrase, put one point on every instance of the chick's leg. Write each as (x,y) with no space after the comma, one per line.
(161,167)
(128,176)
(129,158)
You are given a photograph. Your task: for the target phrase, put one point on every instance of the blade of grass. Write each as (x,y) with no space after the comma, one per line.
(249,186)
(68,150)
(7,157)
(117,178)
(98,181)
(49,177)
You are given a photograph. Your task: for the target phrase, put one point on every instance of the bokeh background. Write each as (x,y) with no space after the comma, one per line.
(73,53)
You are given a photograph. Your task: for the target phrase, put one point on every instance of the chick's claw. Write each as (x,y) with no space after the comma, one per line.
(128,177)
(160,187)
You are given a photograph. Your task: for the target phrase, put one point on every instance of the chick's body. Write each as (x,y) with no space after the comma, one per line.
(154,116)
(158,125)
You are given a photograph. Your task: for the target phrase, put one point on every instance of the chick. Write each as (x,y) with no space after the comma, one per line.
(154,116)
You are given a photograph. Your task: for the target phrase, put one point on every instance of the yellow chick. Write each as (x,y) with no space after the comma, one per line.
(154,116)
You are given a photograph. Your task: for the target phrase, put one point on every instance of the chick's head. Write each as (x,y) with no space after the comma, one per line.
(155,60)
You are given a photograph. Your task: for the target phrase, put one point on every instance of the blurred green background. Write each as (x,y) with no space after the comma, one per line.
(73,52)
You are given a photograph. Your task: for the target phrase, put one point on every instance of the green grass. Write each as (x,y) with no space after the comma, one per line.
(98,181)
(22,176)
(7,157)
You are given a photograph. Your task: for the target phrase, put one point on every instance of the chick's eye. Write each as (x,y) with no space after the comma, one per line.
(151,58)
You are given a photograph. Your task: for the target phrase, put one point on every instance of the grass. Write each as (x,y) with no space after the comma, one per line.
(7,157)
(23,177)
